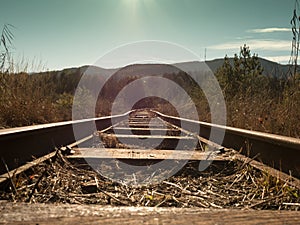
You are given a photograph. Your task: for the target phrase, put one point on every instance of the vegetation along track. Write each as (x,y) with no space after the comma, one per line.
(116,165)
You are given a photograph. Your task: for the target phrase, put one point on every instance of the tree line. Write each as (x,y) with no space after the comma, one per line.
(254,101)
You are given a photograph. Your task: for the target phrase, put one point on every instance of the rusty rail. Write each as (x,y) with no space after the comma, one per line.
(279,152)
(20,145)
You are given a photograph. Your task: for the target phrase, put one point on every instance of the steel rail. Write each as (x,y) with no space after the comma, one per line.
(279,152)
(19,146)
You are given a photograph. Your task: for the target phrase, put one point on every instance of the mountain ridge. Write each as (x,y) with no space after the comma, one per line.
(270,68)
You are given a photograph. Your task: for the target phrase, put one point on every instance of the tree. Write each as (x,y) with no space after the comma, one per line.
(251,68)
(226,77)
(243,75)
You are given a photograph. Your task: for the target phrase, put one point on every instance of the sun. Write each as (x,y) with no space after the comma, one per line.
(136,3)
(132,2)
(131,5)
(135,10)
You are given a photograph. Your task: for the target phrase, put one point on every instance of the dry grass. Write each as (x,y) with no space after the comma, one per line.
(264,109)
(266,113)
(27,100)
(234,185)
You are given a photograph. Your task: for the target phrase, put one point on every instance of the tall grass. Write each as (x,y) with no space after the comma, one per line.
(253,101)
(27,100)
(263,112)
(46,97)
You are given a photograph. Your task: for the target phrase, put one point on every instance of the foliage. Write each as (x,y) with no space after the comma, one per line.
(25,100)
(244,76)
(254,101)
(258,102)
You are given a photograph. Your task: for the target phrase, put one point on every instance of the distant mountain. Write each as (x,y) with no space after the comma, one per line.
(270,68)
(127,83)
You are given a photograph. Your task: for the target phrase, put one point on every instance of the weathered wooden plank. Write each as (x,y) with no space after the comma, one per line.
(145,125)
(144,130)
(144,154)
(149,136)
(144,121)
(22,213)
(137,119)
(141,128)
(201,139)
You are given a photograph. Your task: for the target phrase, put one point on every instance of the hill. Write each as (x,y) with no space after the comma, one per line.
(270,68)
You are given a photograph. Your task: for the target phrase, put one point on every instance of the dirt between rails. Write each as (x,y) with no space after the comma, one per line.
(223,185)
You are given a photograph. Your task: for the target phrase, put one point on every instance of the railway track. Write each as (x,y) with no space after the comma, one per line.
(147,150)
(144,129)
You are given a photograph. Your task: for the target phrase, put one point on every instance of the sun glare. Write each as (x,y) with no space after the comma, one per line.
(131,2)
(135,8)
(135,3)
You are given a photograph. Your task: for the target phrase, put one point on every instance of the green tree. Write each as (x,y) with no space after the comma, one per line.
(226,77)
(243,75)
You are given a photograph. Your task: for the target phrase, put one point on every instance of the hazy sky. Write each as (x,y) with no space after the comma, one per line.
(71,33)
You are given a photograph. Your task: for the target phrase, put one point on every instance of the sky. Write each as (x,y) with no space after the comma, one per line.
(59,34)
